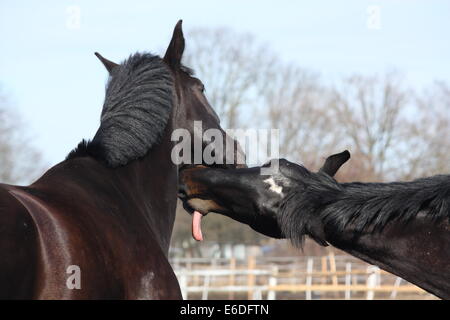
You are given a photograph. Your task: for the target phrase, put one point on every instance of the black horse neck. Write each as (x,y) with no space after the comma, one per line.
(418,252)
(401,227)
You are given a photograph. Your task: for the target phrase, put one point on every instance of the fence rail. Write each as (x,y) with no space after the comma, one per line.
(326,277)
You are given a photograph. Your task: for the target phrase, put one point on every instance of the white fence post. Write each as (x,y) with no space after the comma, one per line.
(398,280)
(373,281)
(348,280)
(257,294)
(309,270)
(271,295)
(206,287)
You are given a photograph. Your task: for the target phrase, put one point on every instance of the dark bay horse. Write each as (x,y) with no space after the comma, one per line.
(98,225)
(403,227)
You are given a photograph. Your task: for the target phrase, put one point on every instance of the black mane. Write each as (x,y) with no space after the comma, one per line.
(87,148)
(320,200)
(137,107)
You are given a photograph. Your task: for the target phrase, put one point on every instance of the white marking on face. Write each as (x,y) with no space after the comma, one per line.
(273,186)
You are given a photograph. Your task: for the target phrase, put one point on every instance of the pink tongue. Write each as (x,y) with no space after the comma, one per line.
(196,227)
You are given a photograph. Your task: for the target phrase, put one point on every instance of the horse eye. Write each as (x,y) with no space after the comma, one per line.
(202,88)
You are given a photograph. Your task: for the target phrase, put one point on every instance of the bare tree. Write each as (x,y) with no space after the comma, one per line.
(19,161)
(294,101)
(248,85)
(229,65)
(428,137)
(370,108)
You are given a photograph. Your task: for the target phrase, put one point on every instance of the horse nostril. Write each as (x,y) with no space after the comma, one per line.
(182,191)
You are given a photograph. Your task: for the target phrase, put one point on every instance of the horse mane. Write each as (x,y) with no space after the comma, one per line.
(138,103)
(319,199)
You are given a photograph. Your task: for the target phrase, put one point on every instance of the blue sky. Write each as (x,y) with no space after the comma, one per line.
(49,71)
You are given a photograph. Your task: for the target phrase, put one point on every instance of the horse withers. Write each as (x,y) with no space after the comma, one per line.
(98,225)
(402,227)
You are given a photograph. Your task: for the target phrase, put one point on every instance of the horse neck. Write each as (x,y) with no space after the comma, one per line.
(417,250)
(153,181)
(418,253)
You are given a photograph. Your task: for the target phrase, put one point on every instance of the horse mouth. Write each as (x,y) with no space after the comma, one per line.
(198,208)
(195,204)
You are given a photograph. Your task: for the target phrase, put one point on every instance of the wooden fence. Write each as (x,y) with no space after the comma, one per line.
(326,277)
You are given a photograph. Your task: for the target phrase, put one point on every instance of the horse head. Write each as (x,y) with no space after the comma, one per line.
(245,194)
(194,125)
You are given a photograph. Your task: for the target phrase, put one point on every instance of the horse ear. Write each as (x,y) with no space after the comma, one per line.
(334,162)
(176,47)
(109,65)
